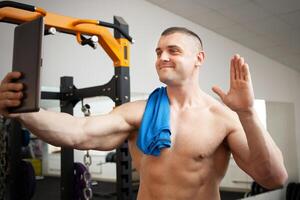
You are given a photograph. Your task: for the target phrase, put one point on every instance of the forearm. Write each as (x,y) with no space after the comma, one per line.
(59,129)
(265,157)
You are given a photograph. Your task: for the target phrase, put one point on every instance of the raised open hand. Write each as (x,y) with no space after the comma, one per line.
(240,97)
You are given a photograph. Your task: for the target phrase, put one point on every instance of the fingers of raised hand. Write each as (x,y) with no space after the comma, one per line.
(219,92)
(239,68)
(246,72)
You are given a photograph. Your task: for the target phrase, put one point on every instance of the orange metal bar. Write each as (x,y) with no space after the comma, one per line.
(115,48)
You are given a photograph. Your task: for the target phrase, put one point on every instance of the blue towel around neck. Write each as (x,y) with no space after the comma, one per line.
(154,132)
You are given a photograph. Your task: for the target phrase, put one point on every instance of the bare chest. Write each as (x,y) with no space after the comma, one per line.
(197,144)
(196,134)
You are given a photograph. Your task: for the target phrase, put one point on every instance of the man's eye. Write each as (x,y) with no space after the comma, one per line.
(174,50)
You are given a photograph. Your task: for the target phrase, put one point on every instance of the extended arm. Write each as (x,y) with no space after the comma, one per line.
(252,146)
(104,132)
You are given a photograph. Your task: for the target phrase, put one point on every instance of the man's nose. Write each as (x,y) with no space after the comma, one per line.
(164,56)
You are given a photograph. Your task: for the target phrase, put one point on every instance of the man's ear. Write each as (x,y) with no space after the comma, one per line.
(200,58)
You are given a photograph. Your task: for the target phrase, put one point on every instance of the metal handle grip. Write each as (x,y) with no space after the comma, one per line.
(17,5)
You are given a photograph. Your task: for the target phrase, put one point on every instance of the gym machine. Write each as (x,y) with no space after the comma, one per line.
(117,47)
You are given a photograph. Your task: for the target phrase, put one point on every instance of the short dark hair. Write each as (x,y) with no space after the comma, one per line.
(183,30)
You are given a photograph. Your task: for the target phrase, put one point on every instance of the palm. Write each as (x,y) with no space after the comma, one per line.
(240,96)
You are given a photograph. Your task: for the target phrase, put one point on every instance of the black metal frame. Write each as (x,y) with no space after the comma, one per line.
(14,152)
(118,89)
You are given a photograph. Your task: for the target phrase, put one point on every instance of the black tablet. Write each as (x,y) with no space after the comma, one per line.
(27,59)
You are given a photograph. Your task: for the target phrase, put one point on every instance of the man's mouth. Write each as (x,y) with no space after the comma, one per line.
(166,66)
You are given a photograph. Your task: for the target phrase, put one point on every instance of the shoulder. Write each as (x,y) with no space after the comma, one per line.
(132,112)
(134,106)
(222,112)
(225,117)
(215,106)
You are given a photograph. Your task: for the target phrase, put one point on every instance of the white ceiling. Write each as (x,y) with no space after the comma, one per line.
(270,27)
